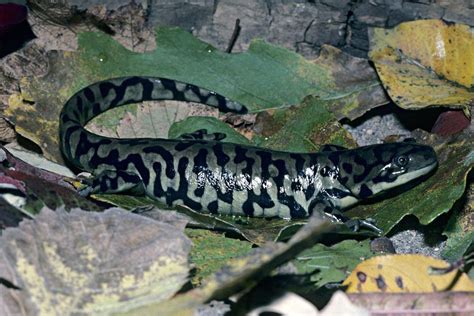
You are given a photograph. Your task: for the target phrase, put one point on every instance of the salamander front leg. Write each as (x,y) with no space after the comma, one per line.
(336,216)
(109,181)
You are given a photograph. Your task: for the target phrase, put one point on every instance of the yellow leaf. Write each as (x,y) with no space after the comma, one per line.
(405,274)
(425,63)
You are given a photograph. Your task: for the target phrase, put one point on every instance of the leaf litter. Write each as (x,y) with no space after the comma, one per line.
(93,63)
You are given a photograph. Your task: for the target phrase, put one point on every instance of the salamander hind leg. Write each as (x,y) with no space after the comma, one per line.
(109,181)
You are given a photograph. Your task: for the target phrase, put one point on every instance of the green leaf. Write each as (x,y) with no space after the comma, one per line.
(458,245)
(460,229)
(211,251)
(332,264)
(303,128)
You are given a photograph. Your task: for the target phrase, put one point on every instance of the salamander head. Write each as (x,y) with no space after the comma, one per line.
(370,170)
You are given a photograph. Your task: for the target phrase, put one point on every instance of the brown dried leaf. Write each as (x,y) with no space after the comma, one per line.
(7,132)
(41,187)
(56,23)
(354,74)
(450,122)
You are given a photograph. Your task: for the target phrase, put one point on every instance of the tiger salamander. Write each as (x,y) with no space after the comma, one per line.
(205,174)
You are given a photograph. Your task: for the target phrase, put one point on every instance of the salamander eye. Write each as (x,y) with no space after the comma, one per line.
(401,160)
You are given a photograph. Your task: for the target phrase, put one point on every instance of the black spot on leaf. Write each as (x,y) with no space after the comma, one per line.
(361,276)
(399,282)
(380,281)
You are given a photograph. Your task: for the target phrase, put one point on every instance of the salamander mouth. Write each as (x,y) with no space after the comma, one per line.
(415,174)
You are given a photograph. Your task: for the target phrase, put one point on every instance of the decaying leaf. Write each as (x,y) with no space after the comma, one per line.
(211,125)
(450,122)
(332,264)
(407,273)
(40,187)
(149,119)
(65,263)
(425,63)
(7,131)
(127,202)
(363,91)
(165,216)
(10,216)
(34,163)
(57,23)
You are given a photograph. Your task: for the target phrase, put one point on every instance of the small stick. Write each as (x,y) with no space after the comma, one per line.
(458,264)
(234,37)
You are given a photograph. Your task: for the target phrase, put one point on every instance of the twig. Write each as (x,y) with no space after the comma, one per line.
(234,37)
